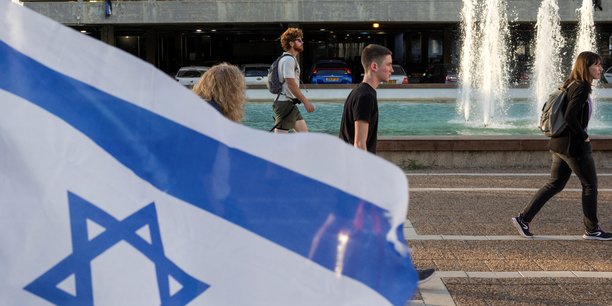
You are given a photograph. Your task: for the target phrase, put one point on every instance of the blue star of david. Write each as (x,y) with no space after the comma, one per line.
(85,250)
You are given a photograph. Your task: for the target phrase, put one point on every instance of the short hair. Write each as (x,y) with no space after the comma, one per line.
(371,53)
(580,71)
(291,34)
(224,83)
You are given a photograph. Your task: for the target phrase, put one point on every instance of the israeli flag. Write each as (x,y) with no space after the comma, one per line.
(120,187)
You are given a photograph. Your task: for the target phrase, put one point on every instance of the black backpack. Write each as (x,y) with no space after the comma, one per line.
(274,84)
(552,120)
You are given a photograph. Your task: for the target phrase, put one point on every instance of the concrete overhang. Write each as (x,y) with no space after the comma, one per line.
(288,11)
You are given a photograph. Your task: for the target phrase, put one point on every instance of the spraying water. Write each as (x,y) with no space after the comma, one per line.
(468,56)
(586,42)
(484,65)
(586,29)
(549,41)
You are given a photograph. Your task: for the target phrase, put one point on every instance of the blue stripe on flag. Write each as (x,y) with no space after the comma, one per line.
(299,213)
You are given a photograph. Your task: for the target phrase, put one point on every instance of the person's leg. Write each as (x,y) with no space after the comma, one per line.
(284,116)
(301,127)
(584,167)
(300,123)
(560,173)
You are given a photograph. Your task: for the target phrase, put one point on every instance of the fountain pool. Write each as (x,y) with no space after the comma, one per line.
(427,118)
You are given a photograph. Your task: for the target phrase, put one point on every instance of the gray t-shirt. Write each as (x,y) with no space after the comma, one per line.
(288,67)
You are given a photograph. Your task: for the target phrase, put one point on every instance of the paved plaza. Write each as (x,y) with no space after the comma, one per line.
(460,224)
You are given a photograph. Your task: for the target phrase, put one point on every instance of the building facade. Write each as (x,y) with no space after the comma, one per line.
(174,33)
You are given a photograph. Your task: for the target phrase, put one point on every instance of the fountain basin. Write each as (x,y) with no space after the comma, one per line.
(438,138)
(429,117)
(473,152)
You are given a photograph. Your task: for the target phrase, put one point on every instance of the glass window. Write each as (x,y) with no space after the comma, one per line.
(414,47)
(435,47)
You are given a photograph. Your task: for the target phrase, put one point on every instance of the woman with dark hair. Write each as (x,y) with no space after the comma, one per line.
(572,152)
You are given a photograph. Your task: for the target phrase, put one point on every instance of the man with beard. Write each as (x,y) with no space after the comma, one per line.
(286,114)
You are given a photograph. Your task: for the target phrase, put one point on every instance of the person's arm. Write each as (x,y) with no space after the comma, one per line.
(294,86)
(361,134)
(576,99)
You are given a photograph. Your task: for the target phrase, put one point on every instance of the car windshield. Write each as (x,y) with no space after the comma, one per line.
(332,71)
(256,72)
(398,70)
(189,74)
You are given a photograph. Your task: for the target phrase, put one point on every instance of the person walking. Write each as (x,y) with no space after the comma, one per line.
(359,123)
(572,152)
(224,88)
(286,114)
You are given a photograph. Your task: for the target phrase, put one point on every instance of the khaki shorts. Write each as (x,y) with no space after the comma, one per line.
(285,115)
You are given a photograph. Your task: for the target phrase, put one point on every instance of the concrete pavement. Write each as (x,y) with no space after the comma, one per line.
(459,223)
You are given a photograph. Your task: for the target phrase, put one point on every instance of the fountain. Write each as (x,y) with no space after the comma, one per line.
(484,130)
(586,42)
(547,71)
(483,66)
(484,57)
(484,106)
(586,29)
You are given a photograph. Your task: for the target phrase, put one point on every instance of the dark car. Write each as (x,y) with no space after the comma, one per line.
(438,73)
(519,73)
(331,72)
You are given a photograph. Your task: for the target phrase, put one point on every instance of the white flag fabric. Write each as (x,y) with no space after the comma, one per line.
(120,187)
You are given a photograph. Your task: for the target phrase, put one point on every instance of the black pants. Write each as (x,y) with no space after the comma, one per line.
(560,172)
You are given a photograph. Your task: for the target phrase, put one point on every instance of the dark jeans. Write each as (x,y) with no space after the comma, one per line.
(560,172)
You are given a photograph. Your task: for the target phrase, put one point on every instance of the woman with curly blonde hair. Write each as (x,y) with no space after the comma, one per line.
(224,88)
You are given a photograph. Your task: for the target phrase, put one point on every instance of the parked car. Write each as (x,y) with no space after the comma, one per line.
(255,73)
(437,73)
(331,72)
(520,74)
(399,76)
(607,76)
(451,78)
(189,76)
(523,78)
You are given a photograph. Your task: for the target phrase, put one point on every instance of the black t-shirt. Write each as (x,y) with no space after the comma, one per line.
(361,104)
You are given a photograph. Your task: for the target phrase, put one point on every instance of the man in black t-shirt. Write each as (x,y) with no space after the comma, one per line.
(359,124)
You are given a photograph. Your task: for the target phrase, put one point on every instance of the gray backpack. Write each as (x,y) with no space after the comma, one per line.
(552,120)
(275,85)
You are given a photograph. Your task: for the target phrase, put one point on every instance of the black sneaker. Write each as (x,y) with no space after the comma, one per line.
(425,275)
(597,234)
(522,226)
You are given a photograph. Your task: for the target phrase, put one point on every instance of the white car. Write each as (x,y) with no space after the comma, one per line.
(255,73)
(608,75)
(189,76)
(398,77)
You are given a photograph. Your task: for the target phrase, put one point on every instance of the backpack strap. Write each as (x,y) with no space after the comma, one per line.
(564,88)
(283,81)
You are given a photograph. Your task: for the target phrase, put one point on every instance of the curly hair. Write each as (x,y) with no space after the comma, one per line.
(290,35)
(224,84)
